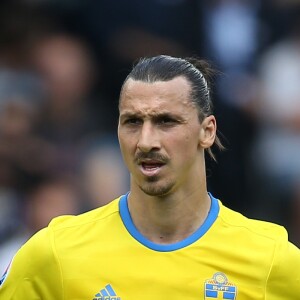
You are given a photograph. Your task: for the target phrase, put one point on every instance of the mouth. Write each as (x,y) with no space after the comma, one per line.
(151,168)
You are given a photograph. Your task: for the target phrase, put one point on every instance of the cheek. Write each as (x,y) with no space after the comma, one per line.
(123,147)
(127,148)
(183,147)
(188,145)
(189,139)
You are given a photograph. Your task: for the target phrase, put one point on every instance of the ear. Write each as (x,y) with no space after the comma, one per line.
(208,131)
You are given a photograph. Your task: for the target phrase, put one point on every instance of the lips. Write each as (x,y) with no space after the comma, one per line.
(150,167)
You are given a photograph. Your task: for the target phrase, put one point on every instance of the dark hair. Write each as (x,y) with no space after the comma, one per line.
(198,73)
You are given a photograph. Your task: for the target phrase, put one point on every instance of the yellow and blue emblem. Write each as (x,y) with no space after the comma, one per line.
(218,287)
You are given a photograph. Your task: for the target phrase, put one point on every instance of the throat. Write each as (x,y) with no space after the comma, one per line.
(170,231)
(168,221)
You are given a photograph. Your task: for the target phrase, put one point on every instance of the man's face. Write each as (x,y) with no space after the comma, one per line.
(159,134)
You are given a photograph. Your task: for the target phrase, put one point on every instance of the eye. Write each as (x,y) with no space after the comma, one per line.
(166,120)
(133,121)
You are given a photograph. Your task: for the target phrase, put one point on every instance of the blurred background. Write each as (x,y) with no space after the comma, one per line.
(62,63)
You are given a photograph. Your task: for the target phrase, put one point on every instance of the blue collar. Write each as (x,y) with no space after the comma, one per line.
(127,220)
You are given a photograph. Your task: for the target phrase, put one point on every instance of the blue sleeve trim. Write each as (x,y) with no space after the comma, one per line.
(127,220)
(2,279)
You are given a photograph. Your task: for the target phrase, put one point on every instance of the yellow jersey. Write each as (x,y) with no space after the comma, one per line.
(100,255)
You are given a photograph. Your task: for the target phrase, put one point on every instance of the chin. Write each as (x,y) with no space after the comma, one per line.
(156,190)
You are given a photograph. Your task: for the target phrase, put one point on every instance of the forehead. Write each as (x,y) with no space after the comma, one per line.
(156,95)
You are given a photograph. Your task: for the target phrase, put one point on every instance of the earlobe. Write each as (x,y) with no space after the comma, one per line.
(208,132)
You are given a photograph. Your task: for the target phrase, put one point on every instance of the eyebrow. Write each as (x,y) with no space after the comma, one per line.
(153,115)
(130,115)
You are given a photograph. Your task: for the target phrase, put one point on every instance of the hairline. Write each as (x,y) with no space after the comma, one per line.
(154,80)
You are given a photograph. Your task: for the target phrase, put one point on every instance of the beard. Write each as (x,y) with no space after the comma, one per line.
(154,188)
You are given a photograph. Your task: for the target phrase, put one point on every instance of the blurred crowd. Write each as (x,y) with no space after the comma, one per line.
(62,63)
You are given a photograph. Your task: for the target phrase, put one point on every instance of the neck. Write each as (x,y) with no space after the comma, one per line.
(168,219)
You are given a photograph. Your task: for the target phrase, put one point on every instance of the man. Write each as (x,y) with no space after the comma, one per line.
(168,238)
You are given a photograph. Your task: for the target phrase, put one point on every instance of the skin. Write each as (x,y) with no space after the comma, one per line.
(162,142)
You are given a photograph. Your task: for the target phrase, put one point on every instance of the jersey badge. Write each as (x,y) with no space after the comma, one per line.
(218,287)
(107,293)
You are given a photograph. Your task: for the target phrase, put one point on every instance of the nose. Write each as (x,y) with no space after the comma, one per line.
(148,138)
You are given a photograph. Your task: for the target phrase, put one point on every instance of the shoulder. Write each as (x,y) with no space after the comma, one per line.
(63,231)
(252,227)
(33,264)
(81,231)
(268,244)
(86,219)
(45,251)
